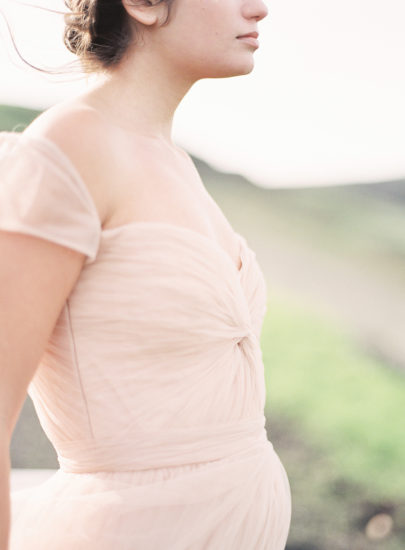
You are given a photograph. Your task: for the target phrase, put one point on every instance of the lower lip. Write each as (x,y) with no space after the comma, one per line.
(250,40)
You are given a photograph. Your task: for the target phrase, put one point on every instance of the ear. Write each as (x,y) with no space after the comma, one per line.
(147,12)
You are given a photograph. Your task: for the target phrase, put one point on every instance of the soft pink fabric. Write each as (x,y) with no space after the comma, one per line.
(151,388)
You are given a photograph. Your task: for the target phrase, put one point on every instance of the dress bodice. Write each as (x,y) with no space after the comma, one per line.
(151,387)
(160,334)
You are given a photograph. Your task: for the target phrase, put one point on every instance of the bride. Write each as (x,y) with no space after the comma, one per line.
(130,308)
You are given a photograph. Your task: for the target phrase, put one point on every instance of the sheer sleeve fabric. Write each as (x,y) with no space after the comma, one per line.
(42,194)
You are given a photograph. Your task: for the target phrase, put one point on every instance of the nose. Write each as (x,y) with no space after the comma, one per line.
(255,8)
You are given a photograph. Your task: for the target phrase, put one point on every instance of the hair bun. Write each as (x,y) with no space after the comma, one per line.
(77,35)
(99,31)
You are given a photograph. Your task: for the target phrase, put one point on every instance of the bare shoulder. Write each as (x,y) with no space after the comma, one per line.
(78,131)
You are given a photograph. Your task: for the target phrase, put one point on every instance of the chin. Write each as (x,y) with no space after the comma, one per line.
(241,70)
(221,69)
(232,70)
(248,68)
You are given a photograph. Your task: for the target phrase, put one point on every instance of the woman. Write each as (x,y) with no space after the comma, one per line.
(131,309)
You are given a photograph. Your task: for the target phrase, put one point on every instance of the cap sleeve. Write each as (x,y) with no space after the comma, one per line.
(42,194)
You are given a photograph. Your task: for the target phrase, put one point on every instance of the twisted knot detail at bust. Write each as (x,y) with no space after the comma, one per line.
(248,344)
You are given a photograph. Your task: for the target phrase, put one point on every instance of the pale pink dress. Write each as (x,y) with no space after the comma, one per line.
(151,388)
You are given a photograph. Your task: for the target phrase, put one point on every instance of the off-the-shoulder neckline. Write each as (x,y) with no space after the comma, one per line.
(139,224)
(51,145)
(182,229)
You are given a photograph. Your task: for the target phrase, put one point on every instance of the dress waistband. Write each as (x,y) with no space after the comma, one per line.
(174,447)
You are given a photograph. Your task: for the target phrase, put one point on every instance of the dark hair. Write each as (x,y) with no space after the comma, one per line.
(98,32)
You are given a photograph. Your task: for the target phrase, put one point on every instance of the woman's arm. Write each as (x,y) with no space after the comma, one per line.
(4,492)
(36,278)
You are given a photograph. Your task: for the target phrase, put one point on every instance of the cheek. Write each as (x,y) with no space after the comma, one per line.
(202,33)
(199,42)
(205,20)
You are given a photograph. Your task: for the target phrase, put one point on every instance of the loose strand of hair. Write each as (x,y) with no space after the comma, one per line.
(70,68)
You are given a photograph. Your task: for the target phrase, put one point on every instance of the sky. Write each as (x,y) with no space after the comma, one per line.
(324,104)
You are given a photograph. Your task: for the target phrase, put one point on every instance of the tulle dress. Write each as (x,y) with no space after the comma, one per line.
(151,388)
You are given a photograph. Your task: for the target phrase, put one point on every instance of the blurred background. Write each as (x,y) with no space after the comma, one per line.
(306,158)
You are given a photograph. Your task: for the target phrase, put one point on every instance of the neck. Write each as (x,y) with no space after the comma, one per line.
(141,95)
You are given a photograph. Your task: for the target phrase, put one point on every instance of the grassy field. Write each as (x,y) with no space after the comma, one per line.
(344,400)
(336,419)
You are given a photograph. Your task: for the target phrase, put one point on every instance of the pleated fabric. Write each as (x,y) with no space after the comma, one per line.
(151,388)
